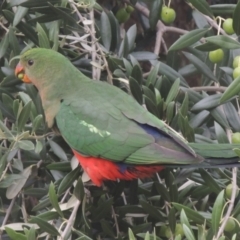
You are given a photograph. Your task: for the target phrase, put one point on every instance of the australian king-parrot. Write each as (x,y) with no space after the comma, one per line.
(112,136)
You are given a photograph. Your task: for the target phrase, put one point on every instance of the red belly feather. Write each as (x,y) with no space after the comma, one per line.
(100,169)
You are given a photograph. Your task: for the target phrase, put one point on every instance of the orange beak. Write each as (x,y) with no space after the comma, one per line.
(19,73)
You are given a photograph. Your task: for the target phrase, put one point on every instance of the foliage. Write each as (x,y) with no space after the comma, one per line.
(44,193)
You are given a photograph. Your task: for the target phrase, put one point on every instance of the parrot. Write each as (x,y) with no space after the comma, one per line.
(110,133)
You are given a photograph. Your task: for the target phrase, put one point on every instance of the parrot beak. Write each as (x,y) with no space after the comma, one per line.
(19,73)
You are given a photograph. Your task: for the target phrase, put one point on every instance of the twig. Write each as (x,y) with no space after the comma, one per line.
(215,25)
(8,212)
(209,89)
(109,79)
(231,203)
(23,209)
(95,71)
(71,220)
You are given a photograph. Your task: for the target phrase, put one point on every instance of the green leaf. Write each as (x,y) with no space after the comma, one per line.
(19,14)
(25,28)
(60,166)
(31,234)
(219,115)
(232,90)
(232,116)
(136,90)
(17,186)
(58,150)
(130,234)
(4,45)
(155,10)
(106,33)
(24,116)
(151,210)
(170,73)
(191,214)
(25,145)
(188,39)
(209,181)
(223,9)
(137,74)
(131,36)
(202,6)
(188,233)
(54,199)
(173,91)
(170,111)
(14,235)
(236,19)
(68,181)
(184,219)
(45,226)
(42,37)
(208,102)
(220,133)
(144,56)
(223,42)
(79,190)
(217,211)
(200,66)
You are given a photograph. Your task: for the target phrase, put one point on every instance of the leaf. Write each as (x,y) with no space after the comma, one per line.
(223,42)
(25,145)
(200,66)
(24,116)
(217,212)
(170,73)
(155,10)
(219,115)
(149,209)
(54,199)
(222,9)
(58,150)
(208,102)
(144,56)
(131,36)
(19,14)
(232,90)
(31,234)
(236,19)
(14,235)
(232,116)
(4,45)
(202,6)
(68,181)
(25,28)
(137,74)
(188,39)
(45,226)
(191,214)
(173,91)
(135,90)
(130,234)
(42,37)
(17,186)
(220,133)
(106,33)
(209,181)
(188,233)
(79,190)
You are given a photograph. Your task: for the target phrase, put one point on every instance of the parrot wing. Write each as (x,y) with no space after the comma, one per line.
(107,123)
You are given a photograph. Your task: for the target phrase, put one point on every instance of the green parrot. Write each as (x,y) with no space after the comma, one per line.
(112,136)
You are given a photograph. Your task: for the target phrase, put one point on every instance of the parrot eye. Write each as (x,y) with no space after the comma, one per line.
(30,62)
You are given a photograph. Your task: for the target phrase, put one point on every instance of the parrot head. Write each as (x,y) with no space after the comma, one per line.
(38,66)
